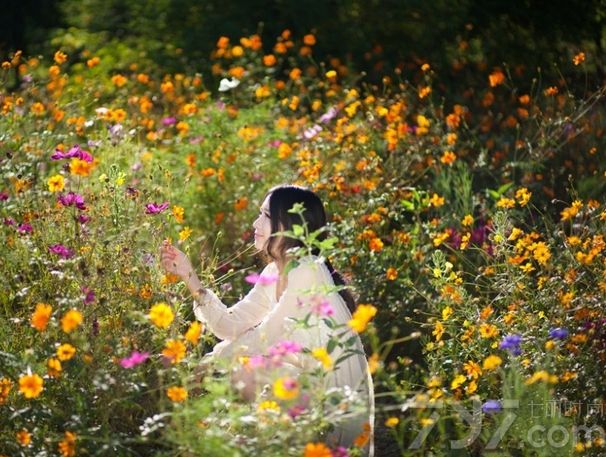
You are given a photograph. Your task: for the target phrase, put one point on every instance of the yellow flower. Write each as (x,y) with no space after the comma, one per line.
(505,202)
(391,422)
(492,362)
(41,316)
(53,367)
(174,350)
(472,369)
(488,331)
(438,330)
(5,388)
(67,446)
(24,438)
(286,388)
(436,201)
(185,234)
(471,387)
(523,196)
(161,315)
(361,316)
(446,313)
(268,405)
(317,450)
(71,320)
(193,333)
(31,385)
(542,376)
(176,394)
(56,183)
(457,382)
(467,220)
(178,213)
(426,421)
(322,355)
(373,363)
(572,211)
(65,352)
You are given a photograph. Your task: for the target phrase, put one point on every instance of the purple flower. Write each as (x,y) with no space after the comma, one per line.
(136,358)
(24,228)
(312,131)
(61,250)
(72,199)
(340,452)
(154,208)
(75,151)
(3,196)
(89,295)
(512,344)
(329,115)
(83,218)
(9,221)
(169,121)
(491,407)
(264,280)
(558,333)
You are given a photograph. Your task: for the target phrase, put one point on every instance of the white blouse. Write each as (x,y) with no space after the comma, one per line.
(261,320)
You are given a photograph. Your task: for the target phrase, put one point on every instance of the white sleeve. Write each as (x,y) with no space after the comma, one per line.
(304,281)
(228,323)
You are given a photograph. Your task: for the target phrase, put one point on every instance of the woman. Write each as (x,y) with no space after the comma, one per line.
(268,313)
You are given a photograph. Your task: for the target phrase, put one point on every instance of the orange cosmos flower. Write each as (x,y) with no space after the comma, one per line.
(31,385)
(41,316)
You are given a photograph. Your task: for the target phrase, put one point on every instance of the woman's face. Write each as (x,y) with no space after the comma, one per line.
(262,226)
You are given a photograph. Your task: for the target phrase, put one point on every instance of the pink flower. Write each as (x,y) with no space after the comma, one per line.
(136,358)
(61,250)
(154,208)
(284,347)
(264,280)
(323,308)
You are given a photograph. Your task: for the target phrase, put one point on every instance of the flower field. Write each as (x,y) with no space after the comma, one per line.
(470,226)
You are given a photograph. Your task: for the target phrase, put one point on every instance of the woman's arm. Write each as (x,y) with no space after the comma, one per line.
(224,322)
(228,323)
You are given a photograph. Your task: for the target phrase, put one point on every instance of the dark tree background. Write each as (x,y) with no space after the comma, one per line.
(536,33)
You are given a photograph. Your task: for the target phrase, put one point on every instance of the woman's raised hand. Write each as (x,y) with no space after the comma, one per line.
(175,261)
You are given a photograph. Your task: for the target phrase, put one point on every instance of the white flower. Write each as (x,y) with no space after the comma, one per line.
(226,84)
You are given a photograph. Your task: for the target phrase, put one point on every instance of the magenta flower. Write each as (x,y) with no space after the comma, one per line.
(83,218)
(4,196)
(72,199)
(75,151)
(169,121)
(340,452)
(61,250)
(24,228)
(154,208)
(136,358)
(89,295)
(264,280)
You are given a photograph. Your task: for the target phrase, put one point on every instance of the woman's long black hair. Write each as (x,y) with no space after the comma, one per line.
(281,199)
